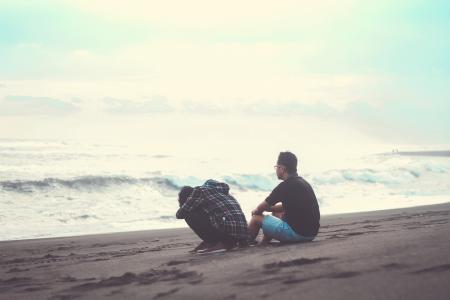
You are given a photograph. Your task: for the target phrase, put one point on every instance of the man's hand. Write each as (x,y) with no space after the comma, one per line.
(277,208)
(256,212)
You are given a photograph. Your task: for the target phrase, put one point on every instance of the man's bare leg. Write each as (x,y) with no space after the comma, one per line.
(277,211)
(255,225)
(265,240)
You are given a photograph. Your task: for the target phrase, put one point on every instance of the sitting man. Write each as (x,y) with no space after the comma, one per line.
(214,215)
(296,218)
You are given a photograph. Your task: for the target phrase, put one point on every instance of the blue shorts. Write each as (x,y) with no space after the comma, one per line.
(280,230)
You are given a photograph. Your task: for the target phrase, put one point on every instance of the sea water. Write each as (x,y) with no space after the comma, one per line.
(51,188)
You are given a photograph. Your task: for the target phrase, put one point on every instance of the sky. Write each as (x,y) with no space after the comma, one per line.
(324,72)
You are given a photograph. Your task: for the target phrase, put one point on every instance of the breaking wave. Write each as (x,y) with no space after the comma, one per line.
(391,176)
(167,183)
(84,183)
(388,177)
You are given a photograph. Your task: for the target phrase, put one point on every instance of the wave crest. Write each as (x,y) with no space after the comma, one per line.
(242,182)
(84,183)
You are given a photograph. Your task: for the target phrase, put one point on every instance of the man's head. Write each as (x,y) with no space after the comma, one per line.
(184,193)
(286,164)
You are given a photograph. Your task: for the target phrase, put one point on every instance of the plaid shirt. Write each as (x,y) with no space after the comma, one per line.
(223,210)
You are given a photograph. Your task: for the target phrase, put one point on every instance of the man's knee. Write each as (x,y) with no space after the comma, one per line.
(197,218)
(258,219)
(279,215)
(199,222)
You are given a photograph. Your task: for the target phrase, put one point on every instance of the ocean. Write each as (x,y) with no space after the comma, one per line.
(54,188)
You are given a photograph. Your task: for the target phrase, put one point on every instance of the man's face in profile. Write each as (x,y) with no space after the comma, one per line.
(280,169)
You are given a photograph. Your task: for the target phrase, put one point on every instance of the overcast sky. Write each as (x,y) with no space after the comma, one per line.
(378,69)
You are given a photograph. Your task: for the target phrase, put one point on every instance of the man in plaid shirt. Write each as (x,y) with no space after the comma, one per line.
(214,215)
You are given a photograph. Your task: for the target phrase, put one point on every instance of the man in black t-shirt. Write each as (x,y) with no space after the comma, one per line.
(295,211)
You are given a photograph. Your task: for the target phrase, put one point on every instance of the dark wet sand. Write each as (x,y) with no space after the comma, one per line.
(392,254)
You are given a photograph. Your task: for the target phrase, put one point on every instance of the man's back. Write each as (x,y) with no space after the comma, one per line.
(299,204)
(223,210)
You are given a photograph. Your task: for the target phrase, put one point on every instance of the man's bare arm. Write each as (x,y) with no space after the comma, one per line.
(262,207)
(277,208)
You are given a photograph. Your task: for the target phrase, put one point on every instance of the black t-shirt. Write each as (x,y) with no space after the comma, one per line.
(299,204)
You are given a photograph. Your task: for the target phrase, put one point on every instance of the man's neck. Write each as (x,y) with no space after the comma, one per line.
(287,176)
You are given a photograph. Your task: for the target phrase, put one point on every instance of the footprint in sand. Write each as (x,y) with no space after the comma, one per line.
(438,268)
(295,262)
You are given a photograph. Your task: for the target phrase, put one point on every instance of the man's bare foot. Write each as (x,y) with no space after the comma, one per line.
(264,243)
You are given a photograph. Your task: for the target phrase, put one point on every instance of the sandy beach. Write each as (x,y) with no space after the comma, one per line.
(391,254)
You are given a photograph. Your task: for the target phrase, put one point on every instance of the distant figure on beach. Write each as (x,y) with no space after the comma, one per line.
(214,215)
(295,211)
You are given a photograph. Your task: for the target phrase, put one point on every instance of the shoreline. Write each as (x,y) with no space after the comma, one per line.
(385,254)
(323,216)
(431,153)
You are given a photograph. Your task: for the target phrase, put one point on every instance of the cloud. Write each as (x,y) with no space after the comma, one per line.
(26,106)
(289,109)
(197,13)
(400,121)
(205,109)
(397,121)
(154,105)
(77,100)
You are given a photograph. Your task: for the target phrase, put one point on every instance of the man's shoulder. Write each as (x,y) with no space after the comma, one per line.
(282,186)
(295,182)
(297,178)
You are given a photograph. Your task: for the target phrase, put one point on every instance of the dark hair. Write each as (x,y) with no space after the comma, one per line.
(289,160)
(184,193)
